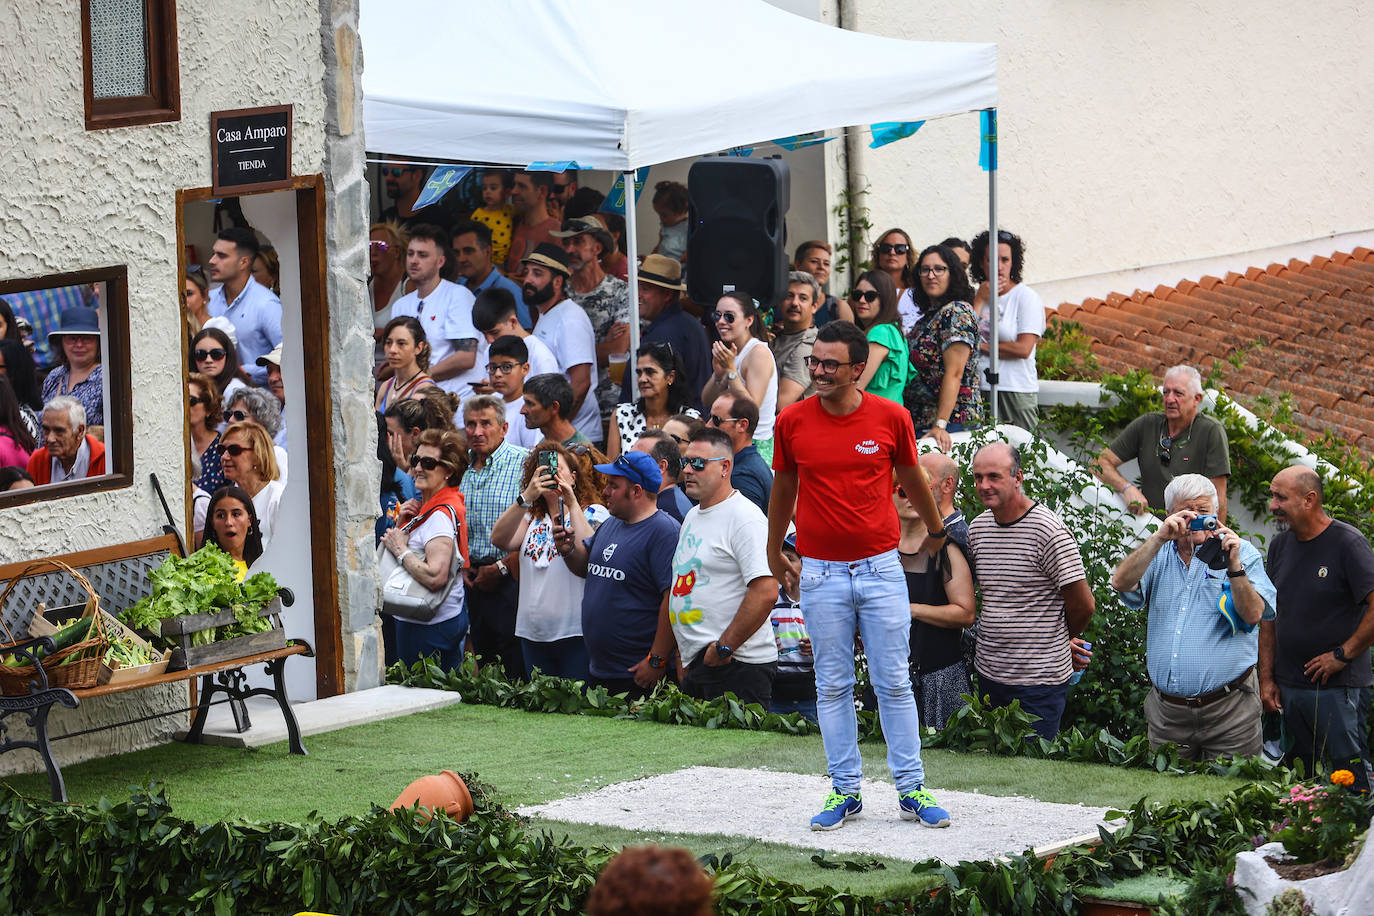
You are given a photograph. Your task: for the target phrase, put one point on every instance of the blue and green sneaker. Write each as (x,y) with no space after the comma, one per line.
(837,809)
(919,805)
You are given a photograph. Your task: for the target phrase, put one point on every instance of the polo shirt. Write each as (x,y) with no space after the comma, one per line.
(446,316)
(256,317)
(501,281)
(1202,449)
(1189,647)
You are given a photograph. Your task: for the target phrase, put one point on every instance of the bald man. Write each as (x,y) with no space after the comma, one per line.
(943,473)
(1314,662)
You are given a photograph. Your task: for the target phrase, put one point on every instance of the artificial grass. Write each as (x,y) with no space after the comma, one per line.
(530,758)
(1141,889)
(534,757)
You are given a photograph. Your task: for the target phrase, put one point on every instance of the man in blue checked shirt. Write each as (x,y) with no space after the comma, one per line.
(254,310)
(1207,591)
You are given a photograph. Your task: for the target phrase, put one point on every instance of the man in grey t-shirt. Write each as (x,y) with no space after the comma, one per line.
(794,336)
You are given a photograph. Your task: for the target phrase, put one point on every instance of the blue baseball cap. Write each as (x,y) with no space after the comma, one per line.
(636,467)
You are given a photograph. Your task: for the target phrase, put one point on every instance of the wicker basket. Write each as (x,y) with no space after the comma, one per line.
(61,671)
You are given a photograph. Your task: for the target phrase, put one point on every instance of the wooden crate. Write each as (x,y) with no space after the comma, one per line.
(183,629)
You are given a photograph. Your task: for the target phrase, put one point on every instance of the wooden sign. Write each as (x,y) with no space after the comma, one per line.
(250,149)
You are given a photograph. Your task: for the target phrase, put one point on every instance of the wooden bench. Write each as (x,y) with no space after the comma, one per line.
(119,575)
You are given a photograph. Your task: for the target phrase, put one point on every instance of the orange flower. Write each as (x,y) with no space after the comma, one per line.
(1343,778)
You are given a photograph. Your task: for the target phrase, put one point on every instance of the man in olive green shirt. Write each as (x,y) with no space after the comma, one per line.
(1178,441)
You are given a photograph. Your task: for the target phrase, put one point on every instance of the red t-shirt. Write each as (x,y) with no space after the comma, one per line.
(526,238)
(844,473)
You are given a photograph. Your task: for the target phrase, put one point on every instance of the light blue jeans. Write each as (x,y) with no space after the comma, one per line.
(870,594)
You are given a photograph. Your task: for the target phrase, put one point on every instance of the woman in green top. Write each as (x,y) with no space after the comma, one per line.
(875,311)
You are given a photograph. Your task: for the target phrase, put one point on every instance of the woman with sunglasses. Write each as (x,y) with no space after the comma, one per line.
(231,524)
(943,392)
(195,299)
(250,462)
(425,543)
(216,357)
(742,364)
(204,413)
(663,391)
(1020,325)
(17,364)
(386,280)
(895,256)
(874,301)
(548,618)
(407,356)
(255,405)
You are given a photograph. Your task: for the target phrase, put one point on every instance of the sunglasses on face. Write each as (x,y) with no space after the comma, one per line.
(560,188)
(898,489)
(233,451)
(237,416)
(932,270)
(425,462)
(864,295)
(699,464)
(720,421)
(392,171)
(727,317)
(678,439)
(829,366)
(379,245)
(501,368)
(898,248)
(195,399)
(216,353)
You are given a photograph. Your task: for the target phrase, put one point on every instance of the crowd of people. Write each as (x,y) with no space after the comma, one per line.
(742,502)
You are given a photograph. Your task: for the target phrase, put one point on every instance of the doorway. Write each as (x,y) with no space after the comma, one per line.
(301,554)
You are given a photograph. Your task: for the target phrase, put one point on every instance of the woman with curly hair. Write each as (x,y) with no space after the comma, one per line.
(942,394)
(548,619)
(661,379)
(1020,325)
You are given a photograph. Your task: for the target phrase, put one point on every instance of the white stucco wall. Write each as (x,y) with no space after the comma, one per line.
(1143,134)
(77,199)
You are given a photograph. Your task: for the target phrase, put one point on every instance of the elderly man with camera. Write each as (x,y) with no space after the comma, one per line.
(1207,596)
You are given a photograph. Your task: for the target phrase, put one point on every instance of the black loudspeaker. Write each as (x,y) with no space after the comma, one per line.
(736,236)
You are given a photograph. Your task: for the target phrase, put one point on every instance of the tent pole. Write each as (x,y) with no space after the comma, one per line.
(632,256)
(994,251)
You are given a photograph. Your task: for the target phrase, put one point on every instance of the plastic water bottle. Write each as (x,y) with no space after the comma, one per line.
(1078,675)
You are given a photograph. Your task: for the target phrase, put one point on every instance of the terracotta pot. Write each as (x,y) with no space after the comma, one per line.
(443,791)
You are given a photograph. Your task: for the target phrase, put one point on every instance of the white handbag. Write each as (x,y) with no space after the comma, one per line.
(402,594)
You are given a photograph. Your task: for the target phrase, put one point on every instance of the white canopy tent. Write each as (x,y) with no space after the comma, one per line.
(619,84)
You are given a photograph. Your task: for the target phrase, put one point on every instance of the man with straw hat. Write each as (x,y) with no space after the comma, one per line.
(664,321)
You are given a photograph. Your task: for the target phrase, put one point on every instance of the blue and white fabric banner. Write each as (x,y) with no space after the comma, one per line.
(615,200)
(802,141)
(987,147)
(560,166)
(885,132)
(442,180)
(743,152)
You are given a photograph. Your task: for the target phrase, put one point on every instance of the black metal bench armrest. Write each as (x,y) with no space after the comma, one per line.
(28,649)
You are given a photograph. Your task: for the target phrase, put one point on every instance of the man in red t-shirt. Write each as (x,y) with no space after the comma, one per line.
(530,197)
(833,460)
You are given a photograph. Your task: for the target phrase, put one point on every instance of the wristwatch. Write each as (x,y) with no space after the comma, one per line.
(657,661)
(723,650)
(1235,573)
(936,535)
(1338,654)
(501,565)
(520,501)
(732,375)
(941,424)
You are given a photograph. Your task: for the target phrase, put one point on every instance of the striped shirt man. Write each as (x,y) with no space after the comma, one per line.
(1022,567)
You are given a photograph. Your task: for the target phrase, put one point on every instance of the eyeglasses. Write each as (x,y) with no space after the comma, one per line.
(580,450)
(216,353)
(501,368)
(380,244)
(1166,444)
(932,270)
(195,269)
(826,365)
(195,399)
(899,491)
(1004,236)
(727,317)
(864,295)
(425,462)
(392,171)
(718,421)
(238,416)
(699,464)
(233,451)
(899,248)
(678,439)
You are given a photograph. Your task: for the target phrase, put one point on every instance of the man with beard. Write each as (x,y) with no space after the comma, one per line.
(529,196)
(794,336)
(567,331)
(1314,658)
(605,299)
(663,321)
(403,185)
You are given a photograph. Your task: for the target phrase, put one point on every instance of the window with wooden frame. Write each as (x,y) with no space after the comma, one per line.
(129,55)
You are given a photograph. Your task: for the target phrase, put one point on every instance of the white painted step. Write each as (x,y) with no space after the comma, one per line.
(317,716)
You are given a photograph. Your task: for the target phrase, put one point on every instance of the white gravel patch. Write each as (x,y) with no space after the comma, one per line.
(777,807)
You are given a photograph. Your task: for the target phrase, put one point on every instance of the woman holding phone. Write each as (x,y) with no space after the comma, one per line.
(548,620)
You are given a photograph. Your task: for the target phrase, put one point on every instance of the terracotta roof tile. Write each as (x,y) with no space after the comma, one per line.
(1304,329)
